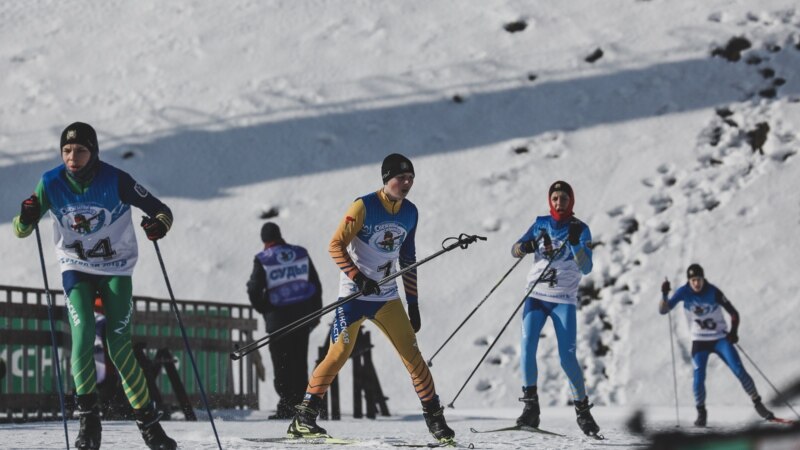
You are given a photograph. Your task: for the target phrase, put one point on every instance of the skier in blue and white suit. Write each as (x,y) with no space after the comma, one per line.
(703,304)
(555,296)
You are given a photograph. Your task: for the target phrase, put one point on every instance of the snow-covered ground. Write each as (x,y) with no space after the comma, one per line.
(402,427)
(229,111)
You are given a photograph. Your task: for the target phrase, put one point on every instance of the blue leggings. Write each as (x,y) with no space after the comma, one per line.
(565,323)
(722,347)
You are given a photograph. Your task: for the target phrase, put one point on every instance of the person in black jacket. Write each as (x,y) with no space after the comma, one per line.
(284,286)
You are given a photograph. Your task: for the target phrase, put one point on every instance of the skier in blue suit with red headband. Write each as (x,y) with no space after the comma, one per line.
(556,275)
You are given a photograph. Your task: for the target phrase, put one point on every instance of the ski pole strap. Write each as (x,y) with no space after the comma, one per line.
(463,240)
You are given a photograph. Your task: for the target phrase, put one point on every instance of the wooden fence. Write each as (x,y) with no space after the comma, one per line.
(28,388)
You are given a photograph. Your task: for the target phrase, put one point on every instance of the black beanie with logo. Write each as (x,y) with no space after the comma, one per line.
(394,165)
(82,134)
(560,186)
(695,271)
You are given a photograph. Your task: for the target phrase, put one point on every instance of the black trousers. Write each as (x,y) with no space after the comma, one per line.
(290,364)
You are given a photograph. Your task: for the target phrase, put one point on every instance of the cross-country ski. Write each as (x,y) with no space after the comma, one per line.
(331,441)
(516,428)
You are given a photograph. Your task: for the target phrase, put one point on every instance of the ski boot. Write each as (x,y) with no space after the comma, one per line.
(530,413)
(154,436)
(89,414)
(434,419)
(304,424)
(585,420)
(702,416)
(762,410)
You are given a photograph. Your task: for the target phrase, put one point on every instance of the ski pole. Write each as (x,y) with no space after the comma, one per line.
(462,241)
(186,343)
(674,376)
(555,255)
(767,379)
(56,359)
(430,361)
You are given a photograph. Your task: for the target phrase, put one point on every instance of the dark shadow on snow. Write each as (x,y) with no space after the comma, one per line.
(351,134)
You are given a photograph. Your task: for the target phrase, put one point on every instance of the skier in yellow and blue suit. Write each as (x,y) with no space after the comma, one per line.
(377,231)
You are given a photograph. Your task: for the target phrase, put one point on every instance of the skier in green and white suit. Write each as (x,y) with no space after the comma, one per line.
(90,203)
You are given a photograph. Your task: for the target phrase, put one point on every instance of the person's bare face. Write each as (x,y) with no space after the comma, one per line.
(696,283)
(560,201)
(398,187)
(75,157)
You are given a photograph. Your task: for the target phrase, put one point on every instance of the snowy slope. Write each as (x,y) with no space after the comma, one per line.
(229,112)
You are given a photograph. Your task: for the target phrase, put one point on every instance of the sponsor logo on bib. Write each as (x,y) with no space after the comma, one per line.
(84,219)
(701,310)
(387,237)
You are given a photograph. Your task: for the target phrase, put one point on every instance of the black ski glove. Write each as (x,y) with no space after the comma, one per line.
(367,286)
(575,230)
(733,337)
(155,227)
(548,243)
(413,315)
(528,246)
(30,211)
(665,288)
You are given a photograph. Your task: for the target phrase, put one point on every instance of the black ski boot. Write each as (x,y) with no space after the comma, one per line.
(585,420)
(154,436)
(762,410)
(702,416)
(304,423)
(530,413)
(434,419)
(89,413)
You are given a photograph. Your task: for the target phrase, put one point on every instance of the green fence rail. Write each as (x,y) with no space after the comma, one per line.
(28,387)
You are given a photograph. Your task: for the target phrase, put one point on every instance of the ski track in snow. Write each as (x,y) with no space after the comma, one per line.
(234,428)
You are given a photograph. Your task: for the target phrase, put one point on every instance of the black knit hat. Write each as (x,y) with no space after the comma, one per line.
(80,133)
(270,232)
(394,165)
(695,271)
(561,186)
